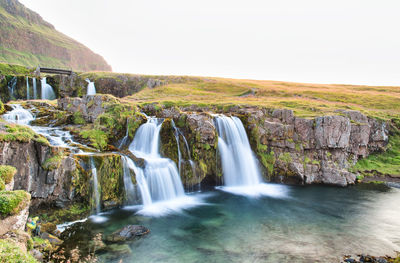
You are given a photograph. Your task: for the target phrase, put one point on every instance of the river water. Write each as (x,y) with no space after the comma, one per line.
(309,224)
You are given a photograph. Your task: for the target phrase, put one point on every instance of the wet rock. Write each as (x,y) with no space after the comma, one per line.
(127,233)
(54,241)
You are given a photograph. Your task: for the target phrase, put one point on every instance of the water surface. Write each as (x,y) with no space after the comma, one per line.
(309,224)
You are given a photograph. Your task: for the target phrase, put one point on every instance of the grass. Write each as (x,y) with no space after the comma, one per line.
(387,162)
(10,252)
(306,100)
(11,202)
(14,132)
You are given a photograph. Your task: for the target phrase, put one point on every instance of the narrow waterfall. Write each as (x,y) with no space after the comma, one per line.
(91,89)
(178,133)
(11,88)
(159,182)
(18,115)
(47,91)
(34,88)
(27,89)
(124,140)
(130,194)
(239,165)
(96,191)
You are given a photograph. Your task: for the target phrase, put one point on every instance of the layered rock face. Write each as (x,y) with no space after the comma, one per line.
(290,149)
(318,150)
(44,185)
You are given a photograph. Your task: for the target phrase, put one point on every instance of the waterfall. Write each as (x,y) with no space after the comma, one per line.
(34,89)
(18,115)
(159,182)
(11,88)
(239,165)
(96,192)
(27,88)
(126,137)
(47,91)
(178,133)
(128,185)
(91,89)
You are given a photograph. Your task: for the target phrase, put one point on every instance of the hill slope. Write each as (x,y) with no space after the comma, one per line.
(26,39)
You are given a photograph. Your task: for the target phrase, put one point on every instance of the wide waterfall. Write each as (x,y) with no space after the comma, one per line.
(47,91)
(27,89)
(34,88)
(159,181)
(18,115)
(240,168)
(91,89)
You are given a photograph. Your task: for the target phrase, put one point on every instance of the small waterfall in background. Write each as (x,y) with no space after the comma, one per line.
(159,182)
(47,91)
(27,89)
(11,88)
(34,88)
(178,133)
(239,165)
(96,195)
(124,140)
(130,193)
(18,115)
(91,89)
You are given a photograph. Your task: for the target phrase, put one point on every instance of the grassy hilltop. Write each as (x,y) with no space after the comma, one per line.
(26,39)
(304,99)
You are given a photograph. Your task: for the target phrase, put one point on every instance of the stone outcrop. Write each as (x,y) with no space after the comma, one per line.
(43,184)
(318,150)
(15,222)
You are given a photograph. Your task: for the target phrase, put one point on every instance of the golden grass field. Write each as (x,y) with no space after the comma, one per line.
(304,99)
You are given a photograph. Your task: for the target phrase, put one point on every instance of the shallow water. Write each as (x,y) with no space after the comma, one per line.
(310,224)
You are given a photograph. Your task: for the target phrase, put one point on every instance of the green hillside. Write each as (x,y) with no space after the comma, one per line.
(26,39)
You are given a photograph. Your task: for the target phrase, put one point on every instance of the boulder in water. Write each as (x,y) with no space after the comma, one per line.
(127,233)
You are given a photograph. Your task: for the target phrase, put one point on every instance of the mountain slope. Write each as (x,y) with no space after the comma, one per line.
(26,39)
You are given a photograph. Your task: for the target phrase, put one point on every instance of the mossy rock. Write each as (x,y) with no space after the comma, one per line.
(10,252)
(12,202)
(7,173)
(15,132)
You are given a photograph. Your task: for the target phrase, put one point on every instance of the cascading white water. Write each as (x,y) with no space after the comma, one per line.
(47,91)
(159,182)
(18,115)
(34,88)
(11,88)
(126,137)
(96,191)
(91,89)
(177,134)
(128,185)
(27,89)
(240,168)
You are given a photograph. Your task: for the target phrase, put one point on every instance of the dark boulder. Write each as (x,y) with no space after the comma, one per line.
(127,233)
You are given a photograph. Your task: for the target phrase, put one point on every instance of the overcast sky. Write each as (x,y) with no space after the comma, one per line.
(320,41)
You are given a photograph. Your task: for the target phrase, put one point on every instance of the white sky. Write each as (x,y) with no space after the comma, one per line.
(320,41)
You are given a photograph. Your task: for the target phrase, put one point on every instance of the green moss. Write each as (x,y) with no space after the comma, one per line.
(268,160)
(97,138)
(78,118)
(14,70)
(2,185)
(73,212)
(285,157)
(206,147)
(203,166)
(11,202)
(7,173)
(53,162)
(21,133)
(1,107)
(10,252)
(387,162)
